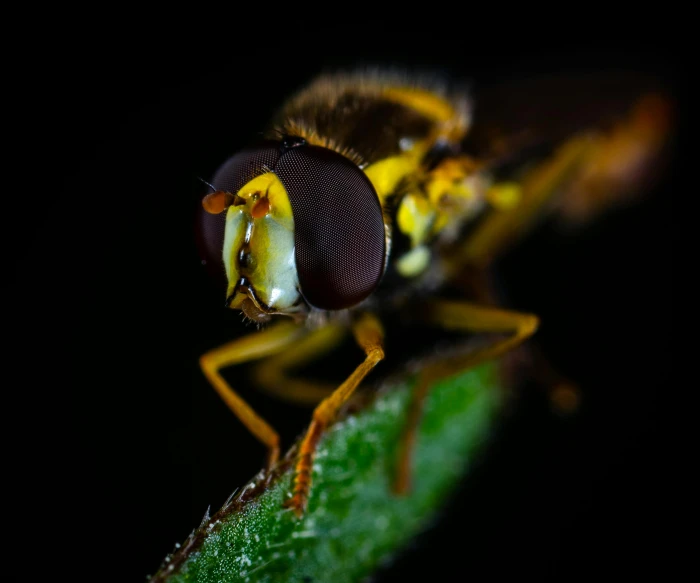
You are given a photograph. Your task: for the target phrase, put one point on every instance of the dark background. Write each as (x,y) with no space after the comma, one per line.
(142,446)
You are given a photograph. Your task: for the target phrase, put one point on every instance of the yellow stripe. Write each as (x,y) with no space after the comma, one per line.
(430,105)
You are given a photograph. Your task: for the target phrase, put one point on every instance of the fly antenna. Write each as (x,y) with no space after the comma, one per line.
(218,201)
(209,184)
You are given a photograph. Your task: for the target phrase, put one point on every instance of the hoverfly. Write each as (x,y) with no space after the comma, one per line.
(369,190)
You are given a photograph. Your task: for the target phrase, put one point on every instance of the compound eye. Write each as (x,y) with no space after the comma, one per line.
(231,176)
(340,244)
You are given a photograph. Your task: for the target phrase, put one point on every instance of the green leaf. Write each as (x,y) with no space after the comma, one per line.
(353,522)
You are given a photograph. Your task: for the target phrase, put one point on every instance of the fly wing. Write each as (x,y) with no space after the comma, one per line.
(625,117)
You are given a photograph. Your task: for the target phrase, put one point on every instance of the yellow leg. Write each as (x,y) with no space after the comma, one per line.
(369,336)
(466,317)
(564,396)
(273,374)
(263,343)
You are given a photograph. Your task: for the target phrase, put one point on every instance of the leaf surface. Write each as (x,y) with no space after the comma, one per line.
(353,523)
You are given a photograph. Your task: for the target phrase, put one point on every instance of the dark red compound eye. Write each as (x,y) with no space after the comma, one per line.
(340,245)
(231,176)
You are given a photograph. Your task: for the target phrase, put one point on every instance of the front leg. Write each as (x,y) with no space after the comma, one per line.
(273,340)
(369,335)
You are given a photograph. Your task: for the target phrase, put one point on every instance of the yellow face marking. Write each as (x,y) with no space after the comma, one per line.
(269,186)
(234,237)
(259,245)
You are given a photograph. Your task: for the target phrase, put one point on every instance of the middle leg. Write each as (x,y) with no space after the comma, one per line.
(467,317)
(274,375)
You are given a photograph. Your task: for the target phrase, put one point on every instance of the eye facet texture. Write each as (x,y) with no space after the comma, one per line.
(338,225)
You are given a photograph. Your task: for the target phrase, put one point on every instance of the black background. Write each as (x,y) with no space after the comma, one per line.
(115,279)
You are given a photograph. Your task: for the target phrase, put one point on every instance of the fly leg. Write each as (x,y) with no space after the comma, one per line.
(369,335)
(273,374)
(263,343)
(563,394)
(466,317)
